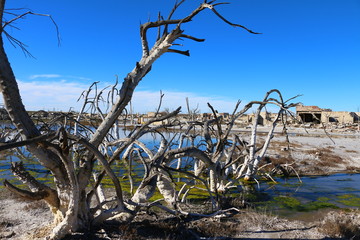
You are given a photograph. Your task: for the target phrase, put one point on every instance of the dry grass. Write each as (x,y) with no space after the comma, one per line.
(353,169)
(39,233)
(315,161)
(282,160)
(326,157)
(166,228)
(342,225)
(279,166)
(233,227)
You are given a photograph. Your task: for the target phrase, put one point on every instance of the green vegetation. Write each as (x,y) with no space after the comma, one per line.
(350,200)
(320,203)
(287,202)
(294,204)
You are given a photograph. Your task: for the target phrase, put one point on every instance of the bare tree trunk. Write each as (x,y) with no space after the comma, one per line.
(22,120)
(58,200)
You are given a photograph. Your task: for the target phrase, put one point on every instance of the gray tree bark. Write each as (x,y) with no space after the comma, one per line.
(70,202)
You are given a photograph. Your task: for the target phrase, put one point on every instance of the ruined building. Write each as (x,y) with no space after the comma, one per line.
(314,114)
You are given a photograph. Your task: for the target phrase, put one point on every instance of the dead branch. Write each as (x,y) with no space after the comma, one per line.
(38,195)
(15,42)
(38,139)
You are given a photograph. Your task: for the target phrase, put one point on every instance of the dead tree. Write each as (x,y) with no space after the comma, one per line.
(72,170)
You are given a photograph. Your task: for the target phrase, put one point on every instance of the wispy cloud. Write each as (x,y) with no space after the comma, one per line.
(52,76)
(75,78)
(50,95)
(32,77)
(144,101)
(62,95)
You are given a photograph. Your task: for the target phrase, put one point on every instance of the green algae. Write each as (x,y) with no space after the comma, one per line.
(294,204)
(350,200)
(320,203)
(287,202)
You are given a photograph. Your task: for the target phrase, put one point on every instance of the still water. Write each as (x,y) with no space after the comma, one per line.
(287,197)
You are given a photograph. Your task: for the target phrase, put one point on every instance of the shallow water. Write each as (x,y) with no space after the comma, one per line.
(311,198)
(314,186)
(288,197)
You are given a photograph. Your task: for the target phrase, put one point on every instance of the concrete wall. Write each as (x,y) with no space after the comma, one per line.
(341,117)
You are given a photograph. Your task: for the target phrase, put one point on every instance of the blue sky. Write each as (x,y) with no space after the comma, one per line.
(308,47)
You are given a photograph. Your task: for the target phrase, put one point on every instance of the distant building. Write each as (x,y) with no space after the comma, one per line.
(264,119)
(314,114)
(309,114)
(151,114)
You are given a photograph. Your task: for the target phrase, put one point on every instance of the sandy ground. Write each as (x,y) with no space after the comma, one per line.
(24,220)
(19,219)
